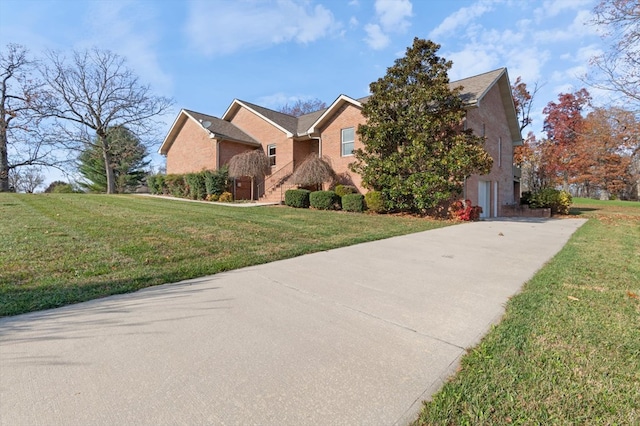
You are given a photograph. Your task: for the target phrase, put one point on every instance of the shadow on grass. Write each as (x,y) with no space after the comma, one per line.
(581,210)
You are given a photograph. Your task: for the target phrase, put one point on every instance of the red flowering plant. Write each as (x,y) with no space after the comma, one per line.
(463,210)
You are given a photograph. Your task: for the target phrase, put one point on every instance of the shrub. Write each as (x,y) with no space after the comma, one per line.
(63,188)
(298,198)
(324,200)
(464,210)
(374,201)
(353,202)
(176,185)
(155,183)
(212,197)
(196,185)
(558,201)
(225,197)
(342,190)
(564,202)
(217,181)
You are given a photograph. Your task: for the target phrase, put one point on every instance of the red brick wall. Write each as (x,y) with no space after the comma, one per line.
(192,150)
(266,134)
(346,116)
(229,149)
(491,114)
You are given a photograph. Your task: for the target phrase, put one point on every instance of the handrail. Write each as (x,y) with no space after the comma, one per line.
(276,178)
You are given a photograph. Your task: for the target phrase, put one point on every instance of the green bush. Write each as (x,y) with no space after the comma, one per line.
(550,198)
(298,198)
(374,201)
(196,185)
(176,185)
(324,200)
(342,190)
(353,202)
(155,183)
(217,181)
(63,188)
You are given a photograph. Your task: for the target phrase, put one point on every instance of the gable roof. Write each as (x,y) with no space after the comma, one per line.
(285,122)
(218,129)
(327,113)
(473,91)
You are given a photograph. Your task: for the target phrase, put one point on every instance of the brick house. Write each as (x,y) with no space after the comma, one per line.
(198,141)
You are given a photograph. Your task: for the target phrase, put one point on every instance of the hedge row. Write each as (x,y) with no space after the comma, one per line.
(331,200)
(206,185)
(558,201)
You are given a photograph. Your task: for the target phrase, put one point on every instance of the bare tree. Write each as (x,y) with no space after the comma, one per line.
(618,69)
(301,107)
(523,101)
(22,140)
(93,93)
(26,179)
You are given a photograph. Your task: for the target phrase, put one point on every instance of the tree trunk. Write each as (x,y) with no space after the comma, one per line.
(111,181)
(4,162)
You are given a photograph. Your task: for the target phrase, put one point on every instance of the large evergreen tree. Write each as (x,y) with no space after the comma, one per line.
(415,150)
(127,155)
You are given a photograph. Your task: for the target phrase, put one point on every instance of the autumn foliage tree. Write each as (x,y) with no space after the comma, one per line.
(604,154)
(563,125)
(415,152)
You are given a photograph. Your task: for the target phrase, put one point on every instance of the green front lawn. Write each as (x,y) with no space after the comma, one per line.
(57,249)
(568,349)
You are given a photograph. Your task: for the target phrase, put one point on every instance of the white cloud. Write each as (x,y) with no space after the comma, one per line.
(376,39)
(393,14)
(223,27)
(128,29)
(553,8)
(473,59)
(391,17)
(353,22)
(461,18)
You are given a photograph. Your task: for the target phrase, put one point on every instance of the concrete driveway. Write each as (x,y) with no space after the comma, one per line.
(358,335)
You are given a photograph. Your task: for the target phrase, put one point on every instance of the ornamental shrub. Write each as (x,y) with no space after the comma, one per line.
(374,201)
(464,210)
(324,200)
(353,202)
(225,197)
(558,201)
(298,198)
(196,185)
(176,185)
(156,184)
(217,181)
(342,190)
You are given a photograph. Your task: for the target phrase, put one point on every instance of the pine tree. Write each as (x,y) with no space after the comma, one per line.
(127,156)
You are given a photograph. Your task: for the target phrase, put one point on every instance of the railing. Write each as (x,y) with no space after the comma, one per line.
(275,180)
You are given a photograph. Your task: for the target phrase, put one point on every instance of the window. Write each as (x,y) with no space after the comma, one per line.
(500,151)
(271,153)
(348,138)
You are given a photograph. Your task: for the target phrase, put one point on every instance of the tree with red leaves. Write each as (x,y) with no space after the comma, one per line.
(563,125)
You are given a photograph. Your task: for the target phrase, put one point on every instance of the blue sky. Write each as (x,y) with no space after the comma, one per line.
(205,53)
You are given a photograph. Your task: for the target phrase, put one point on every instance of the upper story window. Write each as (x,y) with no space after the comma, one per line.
(271,153)
(347,138)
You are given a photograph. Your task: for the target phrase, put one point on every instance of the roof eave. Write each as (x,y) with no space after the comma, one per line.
(341,99)
(236,104)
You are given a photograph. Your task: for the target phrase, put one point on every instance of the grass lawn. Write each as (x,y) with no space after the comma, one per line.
(568,348)
(57,249)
